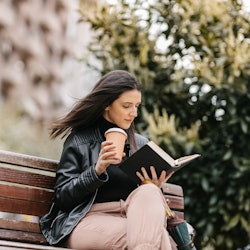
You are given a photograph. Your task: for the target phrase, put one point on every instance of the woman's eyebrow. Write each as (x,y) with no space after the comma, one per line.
(132,103)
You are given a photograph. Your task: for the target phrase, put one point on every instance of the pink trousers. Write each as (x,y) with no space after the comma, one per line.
(139,223)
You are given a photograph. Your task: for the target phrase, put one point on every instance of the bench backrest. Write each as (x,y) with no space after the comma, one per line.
(26,190)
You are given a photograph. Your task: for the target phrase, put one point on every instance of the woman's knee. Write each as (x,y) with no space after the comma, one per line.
(147,194)
(149,190)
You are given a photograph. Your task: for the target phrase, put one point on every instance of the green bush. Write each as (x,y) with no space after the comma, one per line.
(196,99)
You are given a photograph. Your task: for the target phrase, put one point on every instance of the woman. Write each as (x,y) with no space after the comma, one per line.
(96,206)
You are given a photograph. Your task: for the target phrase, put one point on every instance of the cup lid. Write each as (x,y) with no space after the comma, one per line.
(119,130)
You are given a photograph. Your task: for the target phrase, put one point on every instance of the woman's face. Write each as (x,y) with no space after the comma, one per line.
(123,110)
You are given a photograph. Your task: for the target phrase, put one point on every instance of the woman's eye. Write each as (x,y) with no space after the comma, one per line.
(130,106)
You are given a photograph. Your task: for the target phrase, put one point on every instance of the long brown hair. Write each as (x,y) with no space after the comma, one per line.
(89,109)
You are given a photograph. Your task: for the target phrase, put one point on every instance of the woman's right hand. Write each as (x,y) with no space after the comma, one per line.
(108,151)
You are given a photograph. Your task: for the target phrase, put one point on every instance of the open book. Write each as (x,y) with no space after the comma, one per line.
(153,155)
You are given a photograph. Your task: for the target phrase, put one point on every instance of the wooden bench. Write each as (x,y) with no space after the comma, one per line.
(26,190)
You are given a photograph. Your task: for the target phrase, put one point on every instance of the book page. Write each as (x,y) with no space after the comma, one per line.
(162,153)
(184,159)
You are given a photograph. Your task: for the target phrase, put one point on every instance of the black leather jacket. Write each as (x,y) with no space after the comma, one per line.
(76,184)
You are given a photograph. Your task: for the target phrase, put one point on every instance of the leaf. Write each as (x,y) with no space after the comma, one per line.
(205,184)
(233,222)
(227,155)
(244,126)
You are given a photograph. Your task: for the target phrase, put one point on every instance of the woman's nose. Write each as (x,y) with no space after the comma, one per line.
(134,112)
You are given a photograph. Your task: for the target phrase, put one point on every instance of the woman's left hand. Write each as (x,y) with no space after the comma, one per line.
(158,181)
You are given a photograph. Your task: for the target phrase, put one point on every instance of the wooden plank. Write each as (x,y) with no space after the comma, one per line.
(179,214)
(36,195)
(175,202)
(10,248)
(174,189)
(20,225)
(29,237)
(26,193)
(23,207)
(28,160)
(4,245)
(26,178)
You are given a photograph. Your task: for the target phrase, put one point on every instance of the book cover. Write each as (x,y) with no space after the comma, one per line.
(153,155)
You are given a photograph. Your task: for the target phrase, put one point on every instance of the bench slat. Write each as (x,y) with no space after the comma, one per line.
(19,225)
(179,214)
(23,207)
(175,202)
(28,160)
(26,177)
(26,193)
(14,235)
(174,189)
(8,245)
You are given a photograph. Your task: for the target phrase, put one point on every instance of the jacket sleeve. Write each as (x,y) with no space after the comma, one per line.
(76,178)
(140,140)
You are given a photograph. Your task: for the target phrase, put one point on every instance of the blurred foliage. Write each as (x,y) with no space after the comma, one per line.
(193,58)
(165,130)
(22,135)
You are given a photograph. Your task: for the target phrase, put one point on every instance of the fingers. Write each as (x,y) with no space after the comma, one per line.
(162,177)
(107,146)
(108,150)
(169,176)
(153,174)
(143,175)
(158,181)
(106,157)
(140,176)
